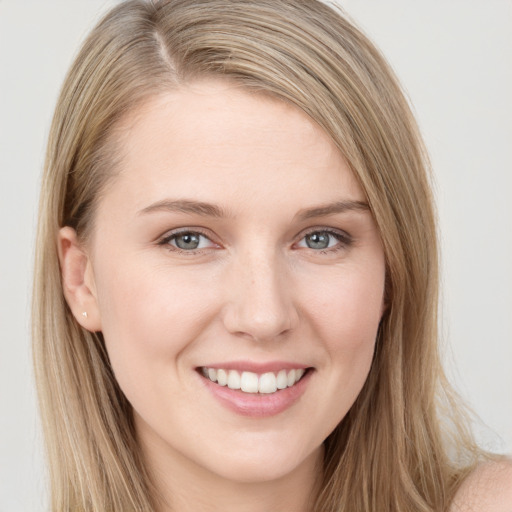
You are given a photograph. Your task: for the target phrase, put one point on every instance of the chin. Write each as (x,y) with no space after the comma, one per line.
(266,464)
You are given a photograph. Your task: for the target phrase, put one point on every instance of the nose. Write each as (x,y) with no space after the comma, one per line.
(260,303)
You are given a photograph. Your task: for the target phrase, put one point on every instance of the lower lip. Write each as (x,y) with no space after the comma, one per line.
(258,405)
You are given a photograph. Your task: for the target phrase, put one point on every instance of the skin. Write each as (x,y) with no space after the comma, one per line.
(254,290)
(487,489)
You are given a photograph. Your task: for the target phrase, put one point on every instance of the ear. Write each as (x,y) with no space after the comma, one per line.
(78,280)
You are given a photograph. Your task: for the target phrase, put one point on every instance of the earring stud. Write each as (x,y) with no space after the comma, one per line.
(84,314)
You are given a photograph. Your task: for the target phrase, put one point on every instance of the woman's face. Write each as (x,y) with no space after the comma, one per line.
(234,244)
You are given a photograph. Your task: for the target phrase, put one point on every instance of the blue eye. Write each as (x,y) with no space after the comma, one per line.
(324,239)
(187,241)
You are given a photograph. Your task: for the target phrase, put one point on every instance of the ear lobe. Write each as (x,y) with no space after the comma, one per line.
(78,280)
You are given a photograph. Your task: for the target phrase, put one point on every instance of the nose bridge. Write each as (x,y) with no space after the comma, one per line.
(260,305)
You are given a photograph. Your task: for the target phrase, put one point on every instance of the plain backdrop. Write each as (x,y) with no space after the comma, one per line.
(454,58)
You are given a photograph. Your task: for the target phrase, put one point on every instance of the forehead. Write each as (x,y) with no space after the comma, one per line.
(220,114)
(212,138)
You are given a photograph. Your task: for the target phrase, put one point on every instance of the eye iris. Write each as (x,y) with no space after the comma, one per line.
(318,240)
(187,241)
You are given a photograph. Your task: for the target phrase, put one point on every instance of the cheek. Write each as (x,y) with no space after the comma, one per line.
(347,308)
(345,316)
(149,317)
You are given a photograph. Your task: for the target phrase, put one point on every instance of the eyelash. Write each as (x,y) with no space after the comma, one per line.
(344,240)
(167,239)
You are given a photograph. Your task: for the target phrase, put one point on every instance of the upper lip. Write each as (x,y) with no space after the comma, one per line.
(256,367)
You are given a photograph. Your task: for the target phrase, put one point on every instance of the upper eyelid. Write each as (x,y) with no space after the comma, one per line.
(320,229)
(168,235)
(344,240)
(166,239)
(179,231)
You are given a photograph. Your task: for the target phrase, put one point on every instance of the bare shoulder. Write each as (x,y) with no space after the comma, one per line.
(487,489)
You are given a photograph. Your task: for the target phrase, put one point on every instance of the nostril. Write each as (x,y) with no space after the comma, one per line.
(261,326)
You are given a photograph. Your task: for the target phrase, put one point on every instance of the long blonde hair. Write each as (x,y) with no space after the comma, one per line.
(390,452)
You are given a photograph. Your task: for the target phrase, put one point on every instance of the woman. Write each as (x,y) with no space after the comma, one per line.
(236,288)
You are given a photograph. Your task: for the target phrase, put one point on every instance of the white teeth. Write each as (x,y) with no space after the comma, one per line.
(233,379)
(222,377)
(267,383)
(282,380)
(250,382)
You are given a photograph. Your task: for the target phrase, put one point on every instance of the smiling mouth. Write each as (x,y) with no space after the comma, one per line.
(254,383)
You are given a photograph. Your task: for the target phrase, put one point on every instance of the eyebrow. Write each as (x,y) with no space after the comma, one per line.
(185,206)
(211,210)
(332,209)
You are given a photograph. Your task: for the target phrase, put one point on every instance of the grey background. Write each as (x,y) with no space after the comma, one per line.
(453,57)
